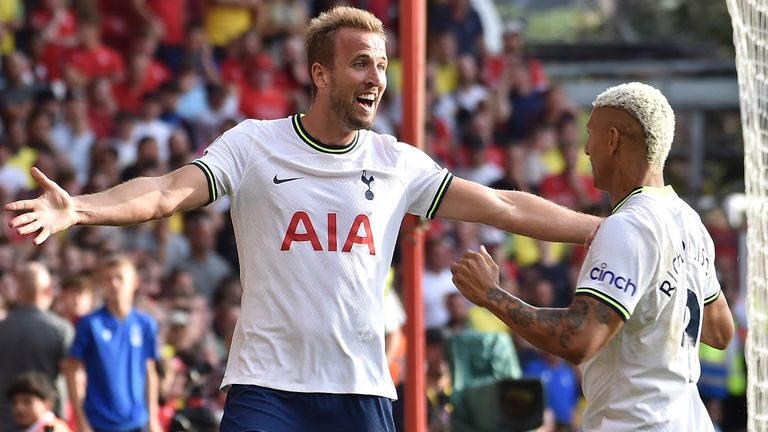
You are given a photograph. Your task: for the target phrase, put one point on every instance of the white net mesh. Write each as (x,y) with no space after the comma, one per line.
(750,37)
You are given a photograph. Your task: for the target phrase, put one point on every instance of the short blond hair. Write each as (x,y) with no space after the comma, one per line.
(651,109)
(320,37)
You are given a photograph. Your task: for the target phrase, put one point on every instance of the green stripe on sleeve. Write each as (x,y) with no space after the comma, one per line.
(712,298)
(623,312)
(439,195)
(212,189)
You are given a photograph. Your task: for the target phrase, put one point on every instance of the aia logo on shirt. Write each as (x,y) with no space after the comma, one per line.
(301,228)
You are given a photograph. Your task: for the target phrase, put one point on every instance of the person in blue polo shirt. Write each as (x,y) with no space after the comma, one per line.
(116,348)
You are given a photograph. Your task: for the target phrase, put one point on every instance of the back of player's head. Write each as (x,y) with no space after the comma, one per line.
(650,108)
(34,279)
(32,383)
(320,37)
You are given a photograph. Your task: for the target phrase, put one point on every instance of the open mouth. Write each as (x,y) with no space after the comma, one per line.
(366,101)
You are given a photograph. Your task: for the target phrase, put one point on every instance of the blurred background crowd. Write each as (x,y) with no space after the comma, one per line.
(96,92)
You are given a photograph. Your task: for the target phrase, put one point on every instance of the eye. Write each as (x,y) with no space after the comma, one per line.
(382,67)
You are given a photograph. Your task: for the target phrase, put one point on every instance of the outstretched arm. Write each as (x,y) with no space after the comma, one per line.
(135,201)
(575,334)
(517,212)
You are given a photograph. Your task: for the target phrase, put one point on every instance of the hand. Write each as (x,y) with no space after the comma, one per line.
(154,426)
(591,236)
(51,212)
(476,275)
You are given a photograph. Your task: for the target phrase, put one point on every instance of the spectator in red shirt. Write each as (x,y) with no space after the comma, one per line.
(130,90)
(511,53)
(92,59)
(292,76)
(571,188)
(259,98)
(165,19)
(54,27)
(102,107)
(238,55)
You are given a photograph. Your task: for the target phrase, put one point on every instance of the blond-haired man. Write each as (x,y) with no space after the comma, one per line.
(647,293)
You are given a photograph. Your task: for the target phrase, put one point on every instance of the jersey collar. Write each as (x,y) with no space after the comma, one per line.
(658,191)
(316,144)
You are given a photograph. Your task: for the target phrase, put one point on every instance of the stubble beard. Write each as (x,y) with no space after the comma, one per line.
(345,110)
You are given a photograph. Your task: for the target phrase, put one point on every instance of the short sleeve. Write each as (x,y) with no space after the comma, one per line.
(619,265)
(82,341)
(427,182)
(150,338)
(226,160)
(712,288)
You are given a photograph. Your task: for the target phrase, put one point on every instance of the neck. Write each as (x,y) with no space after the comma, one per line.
(200,254)
(324,125)
(118,310)
(623,185)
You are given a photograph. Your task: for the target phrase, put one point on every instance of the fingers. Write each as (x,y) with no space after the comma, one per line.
(42,180)
(42,236)
(29,228)
(485,255)
(22,220)
(20,205)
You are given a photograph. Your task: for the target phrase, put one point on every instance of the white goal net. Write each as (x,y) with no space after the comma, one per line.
(750,37)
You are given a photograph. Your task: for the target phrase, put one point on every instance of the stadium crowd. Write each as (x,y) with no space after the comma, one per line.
(96,92)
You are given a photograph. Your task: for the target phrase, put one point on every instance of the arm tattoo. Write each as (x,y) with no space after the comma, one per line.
(497,296)
(603,313)
(576,315)
(519,314)
(550,318)
(559,325)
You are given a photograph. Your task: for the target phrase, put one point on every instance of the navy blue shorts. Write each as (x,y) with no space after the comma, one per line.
(258,409)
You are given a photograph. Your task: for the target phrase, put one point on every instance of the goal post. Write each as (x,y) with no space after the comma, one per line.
(750,38)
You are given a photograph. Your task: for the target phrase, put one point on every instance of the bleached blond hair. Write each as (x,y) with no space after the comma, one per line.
(651,109)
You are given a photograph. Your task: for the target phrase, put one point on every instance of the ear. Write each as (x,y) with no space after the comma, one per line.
(613,140)
(319,75)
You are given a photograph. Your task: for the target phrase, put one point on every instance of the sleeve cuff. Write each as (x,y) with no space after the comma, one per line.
(604,298)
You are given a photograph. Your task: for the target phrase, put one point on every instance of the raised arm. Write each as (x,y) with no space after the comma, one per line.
(575,334)
(138,200)
(517,212)
(717,329)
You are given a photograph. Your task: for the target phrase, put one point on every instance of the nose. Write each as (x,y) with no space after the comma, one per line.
(377,78)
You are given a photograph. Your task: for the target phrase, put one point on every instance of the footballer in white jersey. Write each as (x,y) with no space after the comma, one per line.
(653,262)
(647,294)
(316,229)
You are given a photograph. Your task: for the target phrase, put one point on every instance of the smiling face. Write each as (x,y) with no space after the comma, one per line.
(357,79)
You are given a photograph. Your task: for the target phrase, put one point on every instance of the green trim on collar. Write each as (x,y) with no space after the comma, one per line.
(317,145)
(651,190)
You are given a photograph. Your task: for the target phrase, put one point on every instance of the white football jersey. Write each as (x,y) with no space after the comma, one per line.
(652,261)
(316,228)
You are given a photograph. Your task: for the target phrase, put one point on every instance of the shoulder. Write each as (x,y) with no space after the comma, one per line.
(629,224)
(142,317)
(59,322)
(387,147)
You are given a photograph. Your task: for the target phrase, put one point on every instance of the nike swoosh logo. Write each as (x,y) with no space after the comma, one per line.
(276,180)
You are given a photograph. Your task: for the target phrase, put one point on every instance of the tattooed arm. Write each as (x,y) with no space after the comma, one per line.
(575,334)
